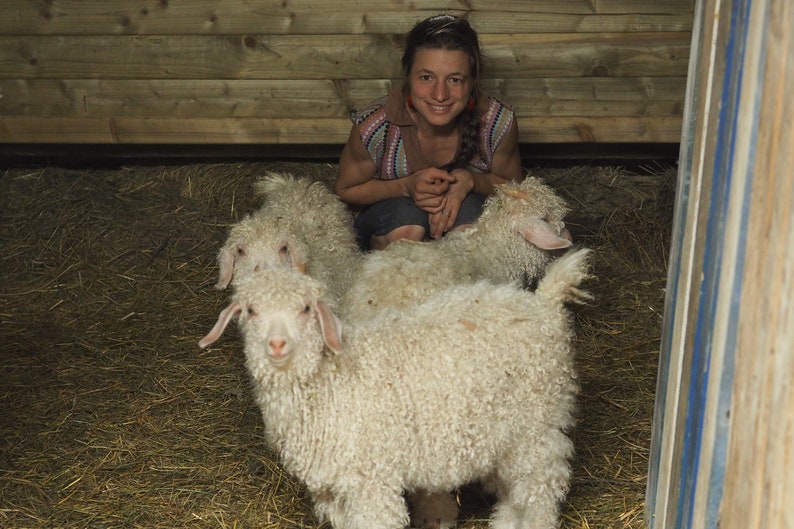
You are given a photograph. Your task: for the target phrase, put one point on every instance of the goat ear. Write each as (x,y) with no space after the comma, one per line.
(331,327)
(226,259)
(224,318)
(296,261)
(542,235)
(520,194)
(298,265)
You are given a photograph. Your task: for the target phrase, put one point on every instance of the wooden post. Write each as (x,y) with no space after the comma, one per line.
(722,452)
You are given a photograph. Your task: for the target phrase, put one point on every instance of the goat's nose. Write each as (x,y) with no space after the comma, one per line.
(277,345)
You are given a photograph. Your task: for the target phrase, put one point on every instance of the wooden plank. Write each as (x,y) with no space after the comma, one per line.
(731,459)
(759,473)
(331,56)
(197,17)
(22,129)
(620,129)
(684,276)
(592,96)
(742,90)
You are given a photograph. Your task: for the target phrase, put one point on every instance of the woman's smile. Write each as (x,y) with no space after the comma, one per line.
(440,85)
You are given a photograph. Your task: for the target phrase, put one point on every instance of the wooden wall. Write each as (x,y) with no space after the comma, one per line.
(289,71)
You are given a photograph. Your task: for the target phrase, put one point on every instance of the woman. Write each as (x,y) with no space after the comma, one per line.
(421,161)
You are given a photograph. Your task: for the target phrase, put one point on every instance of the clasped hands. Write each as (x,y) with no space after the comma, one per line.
(440,194)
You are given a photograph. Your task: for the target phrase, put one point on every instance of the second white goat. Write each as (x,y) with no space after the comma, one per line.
(301,225)
(521,224)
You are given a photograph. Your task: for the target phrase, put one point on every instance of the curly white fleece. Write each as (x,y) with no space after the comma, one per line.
(495,247)
(477,382)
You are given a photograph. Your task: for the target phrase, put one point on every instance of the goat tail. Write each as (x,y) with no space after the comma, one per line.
(564,275)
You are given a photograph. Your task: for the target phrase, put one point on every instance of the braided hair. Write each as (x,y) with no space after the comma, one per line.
(451,33)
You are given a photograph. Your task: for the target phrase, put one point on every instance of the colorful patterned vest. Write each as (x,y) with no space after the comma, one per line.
(385,145)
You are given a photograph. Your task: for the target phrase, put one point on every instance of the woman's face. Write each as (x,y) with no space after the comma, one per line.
(440,84)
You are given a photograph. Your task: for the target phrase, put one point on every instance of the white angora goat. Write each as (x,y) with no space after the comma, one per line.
(301,225)
(476,383)
(520,225)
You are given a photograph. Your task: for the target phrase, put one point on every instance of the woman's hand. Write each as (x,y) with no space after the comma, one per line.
(443,219)
(463,183)
(427,188)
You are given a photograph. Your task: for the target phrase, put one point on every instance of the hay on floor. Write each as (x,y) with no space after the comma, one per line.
(111,416)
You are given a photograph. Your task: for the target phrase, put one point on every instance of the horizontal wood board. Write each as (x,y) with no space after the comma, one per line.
(242,71)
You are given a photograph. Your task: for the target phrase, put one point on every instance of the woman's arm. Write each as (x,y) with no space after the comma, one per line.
(505,166)
(356,183)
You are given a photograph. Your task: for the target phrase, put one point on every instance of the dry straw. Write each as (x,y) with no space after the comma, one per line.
(111,416)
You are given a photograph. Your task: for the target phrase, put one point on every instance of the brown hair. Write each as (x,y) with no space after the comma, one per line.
(451,33)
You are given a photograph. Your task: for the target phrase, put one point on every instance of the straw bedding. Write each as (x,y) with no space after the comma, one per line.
(111,416)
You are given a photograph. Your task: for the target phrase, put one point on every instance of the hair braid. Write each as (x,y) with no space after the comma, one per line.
(469,143)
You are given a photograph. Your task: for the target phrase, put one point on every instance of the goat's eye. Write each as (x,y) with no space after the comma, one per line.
(240,250)
(306,309)
(284,249)
(251,311)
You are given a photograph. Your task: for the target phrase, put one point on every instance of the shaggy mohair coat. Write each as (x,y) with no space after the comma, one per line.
(301,224)
(513,240)
(476,383)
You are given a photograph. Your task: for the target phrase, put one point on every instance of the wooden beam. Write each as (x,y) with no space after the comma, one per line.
(23,129)
(285,98)
(341,17)
(262,56)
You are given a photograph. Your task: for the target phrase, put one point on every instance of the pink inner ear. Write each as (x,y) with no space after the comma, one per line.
(542,235)
(330,326)
(224,318)
(226,269)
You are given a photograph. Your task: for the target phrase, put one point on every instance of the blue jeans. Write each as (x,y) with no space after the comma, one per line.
(387,215)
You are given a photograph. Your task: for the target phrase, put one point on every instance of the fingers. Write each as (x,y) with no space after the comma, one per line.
(433,181)
(442,221)
(440,175)
(430,203)
(432,187)
(437,222)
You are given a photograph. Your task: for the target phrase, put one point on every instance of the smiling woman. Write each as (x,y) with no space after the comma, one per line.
(420,161)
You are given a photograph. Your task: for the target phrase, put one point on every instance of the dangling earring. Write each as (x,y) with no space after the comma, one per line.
(471,105)
(410,102)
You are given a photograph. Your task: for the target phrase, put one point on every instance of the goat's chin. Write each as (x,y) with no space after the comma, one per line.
(279,361)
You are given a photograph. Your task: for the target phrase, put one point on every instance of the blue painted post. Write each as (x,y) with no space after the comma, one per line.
(733,96)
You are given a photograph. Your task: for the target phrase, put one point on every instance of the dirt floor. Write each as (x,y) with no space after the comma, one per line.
(111,416)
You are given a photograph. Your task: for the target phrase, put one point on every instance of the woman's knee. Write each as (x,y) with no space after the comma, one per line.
(410,232)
